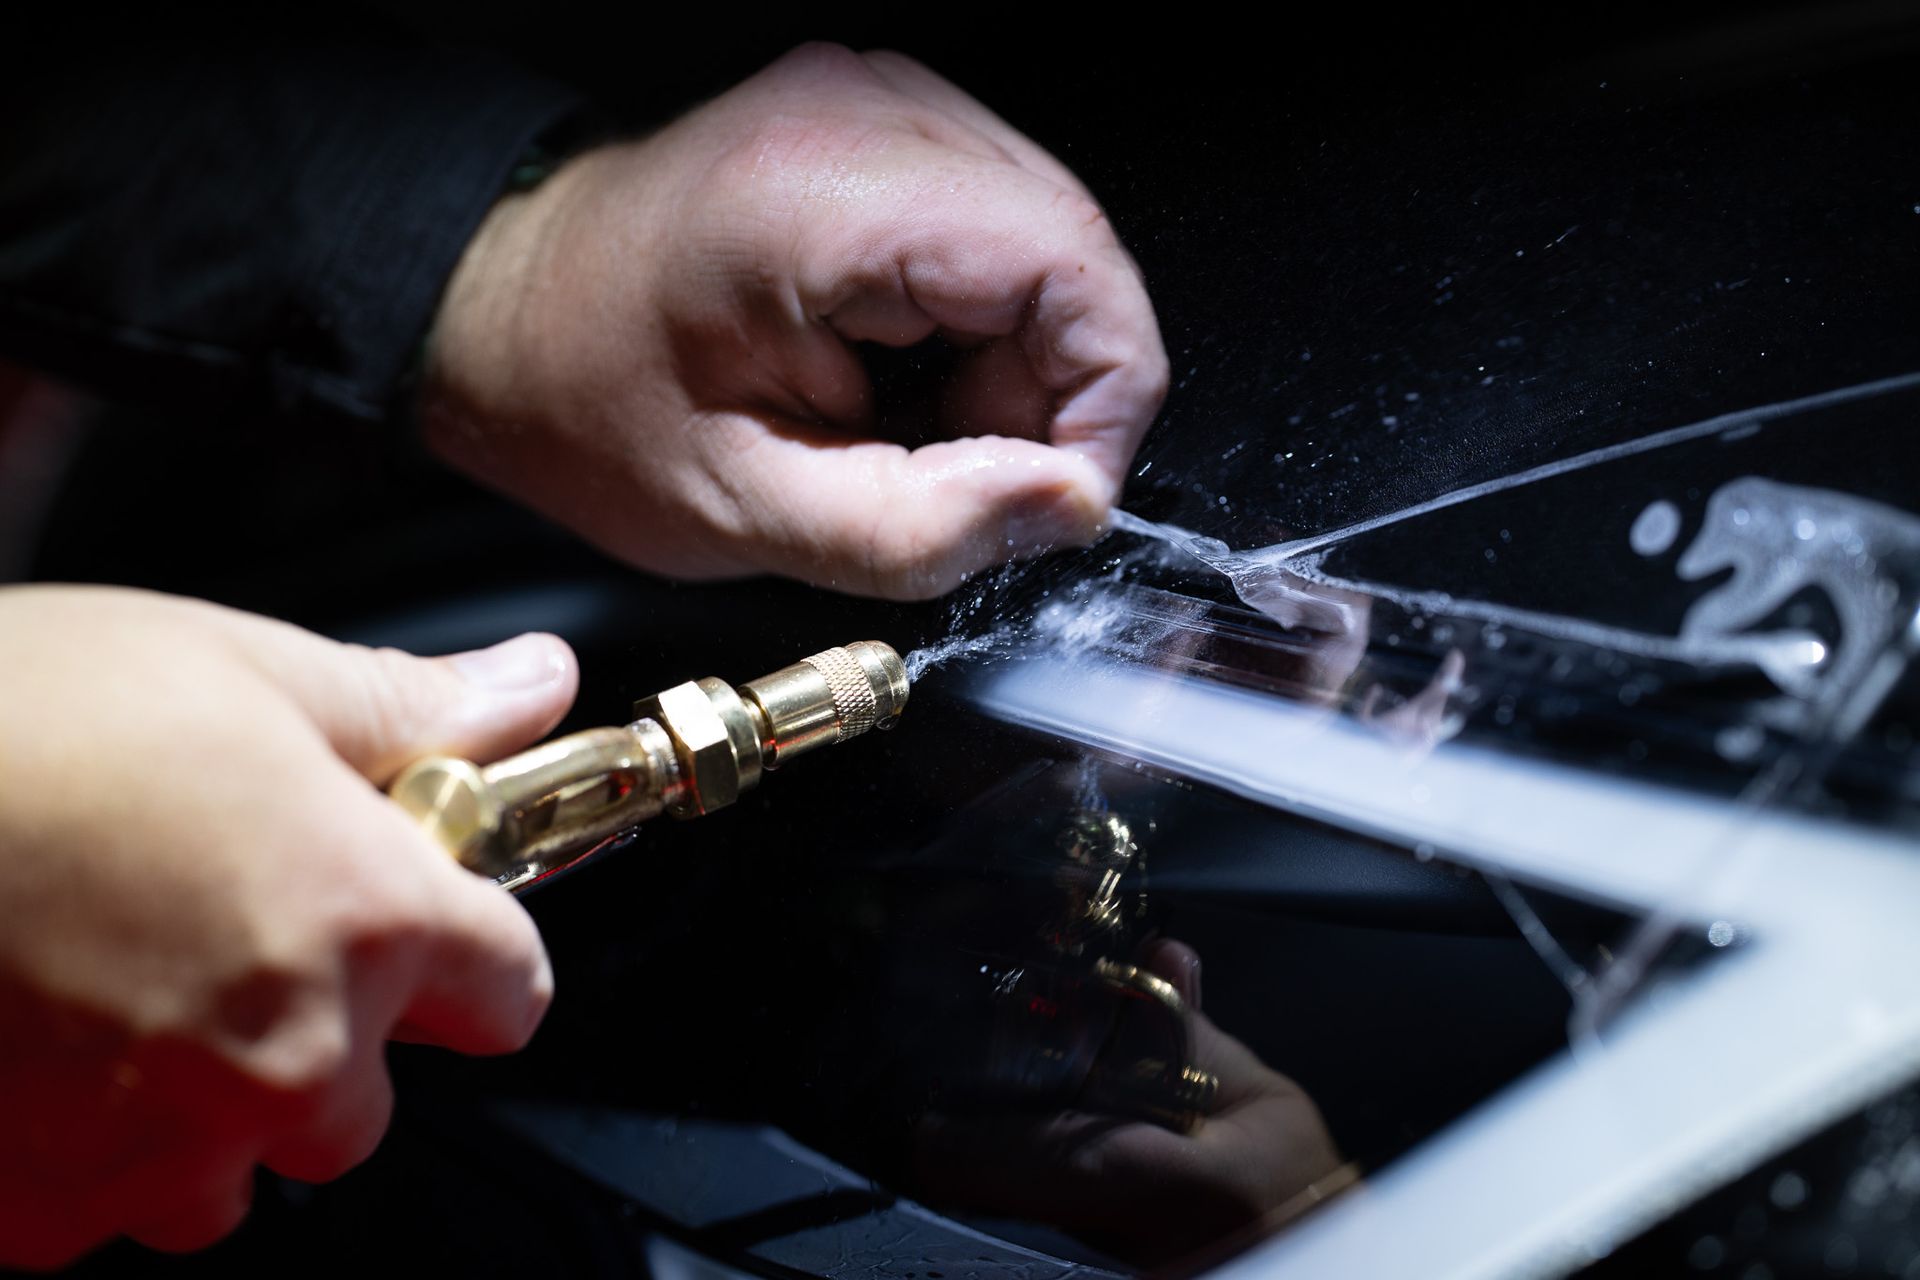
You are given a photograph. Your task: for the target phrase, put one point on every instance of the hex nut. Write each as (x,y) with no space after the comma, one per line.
(713,739)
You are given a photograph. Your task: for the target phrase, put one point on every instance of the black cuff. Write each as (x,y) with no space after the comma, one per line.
(409,206)
(222,222)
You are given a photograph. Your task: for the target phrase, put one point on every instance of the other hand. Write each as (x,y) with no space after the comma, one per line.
(656,345)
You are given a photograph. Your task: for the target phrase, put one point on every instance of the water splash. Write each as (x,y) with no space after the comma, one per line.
(1777,538)
(1274,585)
(1288,582)
(998,643)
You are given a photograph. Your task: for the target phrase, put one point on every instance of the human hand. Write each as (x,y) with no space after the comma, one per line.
(1139,1191)
(654,346)
(214,919)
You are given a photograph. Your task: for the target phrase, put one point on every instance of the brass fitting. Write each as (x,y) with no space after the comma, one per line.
(690,750)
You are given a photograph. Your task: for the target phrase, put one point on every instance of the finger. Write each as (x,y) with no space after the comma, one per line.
(201,1220)
(347,1126)
(41,1233)
(916,80)
(381,709)
(1178,963)
(878,519)
(486,981)
(964,248)
(447,953)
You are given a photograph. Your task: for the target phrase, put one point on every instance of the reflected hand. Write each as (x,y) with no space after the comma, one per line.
(214,919)
(1130,1187)
(654,346)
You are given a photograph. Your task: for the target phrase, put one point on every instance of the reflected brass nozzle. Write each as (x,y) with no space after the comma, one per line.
(690,750)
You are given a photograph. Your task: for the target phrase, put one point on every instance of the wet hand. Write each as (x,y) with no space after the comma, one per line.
(656,345)
(214,918)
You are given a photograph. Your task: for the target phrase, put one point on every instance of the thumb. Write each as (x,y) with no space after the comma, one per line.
(875,518)
(382,709)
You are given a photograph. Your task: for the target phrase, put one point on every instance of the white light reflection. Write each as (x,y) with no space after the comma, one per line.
(1737,1058)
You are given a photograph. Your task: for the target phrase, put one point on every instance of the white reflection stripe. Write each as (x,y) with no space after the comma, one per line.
(1818,1012)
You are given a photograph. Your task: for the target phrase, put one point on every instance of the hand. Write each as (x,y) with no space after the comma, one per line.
(1143,1193)
(213,918)
(654,346)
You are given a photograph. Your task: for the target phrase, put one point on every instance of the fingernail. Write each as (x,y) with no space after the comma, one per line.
(1193,982)
(524,662)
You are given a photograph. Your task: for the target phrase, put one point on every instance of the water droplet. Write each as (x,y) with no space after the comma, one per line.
(1720,934)
(1706,1253)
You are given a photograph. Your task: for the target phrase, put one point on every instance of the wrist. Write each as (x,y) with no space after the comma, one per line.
(474,280)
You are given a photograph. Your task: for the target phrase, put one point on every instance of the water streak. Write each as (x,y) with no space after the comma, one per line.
(1776,537)
(999,643)
(1742,420)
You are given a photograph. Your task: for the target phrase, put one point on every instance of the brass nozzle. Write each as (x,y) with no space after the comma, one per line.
(828,698)
(690,750)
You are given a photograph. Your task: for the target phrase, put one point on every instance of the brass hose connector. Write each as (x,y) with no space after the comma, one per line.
(690,750)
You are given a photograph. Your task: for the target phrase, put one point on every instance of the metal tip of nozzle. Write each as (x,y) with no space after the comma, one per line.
(830,697)
(886,675)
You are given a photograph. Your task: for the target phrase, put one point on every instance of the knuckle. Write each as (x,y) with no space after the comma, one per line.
(359,1135)
(1078,210)
(283,1031)
(823,58)
(1156,374)
(514,1039)
(895,60)
(399,688)
(46,1243)
(388,698)
(333,1144)
(298,1065)
(199,1225)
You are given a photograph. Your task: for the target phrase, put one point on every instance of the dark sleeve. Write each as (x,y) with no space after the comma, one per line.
(224,223)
